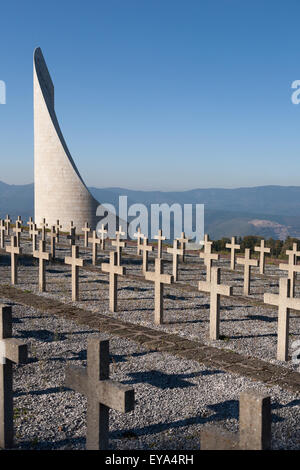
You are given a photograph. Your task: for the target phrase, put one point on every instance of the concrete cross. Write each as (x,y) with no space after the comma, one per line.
(14,251)
(284,303)
(206,242)
(53,240)
(294,251)
(20,219)
(159,279)
(11,351)
(57,229)
(76,263)
(145,249)
(101,392)
(73,237)
(233,246)
(94,240)
(102,232)
(175,251)
(2,233)
(7,224)
(34,234)
(42,256)
(18,230)
(208,257)
(71,225)
(248,263)
(119,244)
(43,229)
(86,229)
(254,426)
(114,271)
(291,267)
(262,250)
(160,238)
(30,224)
(139,236)
(216,290)
(183,240)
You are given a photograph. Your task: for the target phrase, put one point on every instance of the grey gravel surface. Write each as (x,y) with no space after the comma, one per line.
(175,398)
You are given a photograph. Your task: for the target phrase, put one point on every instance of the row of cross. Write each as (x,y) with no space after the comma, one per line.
(285,300)
(104,394)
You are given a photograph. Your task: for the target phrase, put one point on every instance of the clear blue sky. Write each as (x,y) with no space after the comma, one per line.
(158,94)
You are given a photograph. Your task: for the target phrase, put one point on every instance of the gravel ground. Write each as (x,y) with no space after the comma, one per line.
(245,328)
(172,394)
(175,398)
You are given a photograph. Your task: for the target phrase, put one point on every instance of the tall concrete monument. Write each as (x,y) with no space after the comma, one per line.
(59,191)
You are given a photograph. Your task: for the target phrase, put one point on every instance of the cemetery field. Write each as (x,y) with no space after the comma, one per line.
(175,398)
(177,392)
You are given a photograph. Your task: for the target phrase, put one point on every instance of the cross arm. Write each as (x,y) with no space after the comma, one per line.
(296,268)
(271,299)
(150,276)
(76,378)
(225,290)
(15,350)
(204,286)
(167,278)
(115,395)
(293,303)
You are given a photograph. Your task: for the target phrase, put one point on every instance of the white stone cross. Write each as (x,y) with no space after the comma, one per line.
(118,244)
(262,250)
(95,241)
(284,303)
(86,229)
(73,237)
(216,290)
(145,249)
(14,251)
(2,233)
(175,251)
(183,240)
(76,263)
(42,256)
(248,263)
(291,267)
(139,236)
(53,239)
(160,238)
(102,232)
(101,392)
(30,224)
(114,271)
(233,246)
(12,351)
(34,234)
(43,229)
(206,242)
(254,426)
(57,229)
(159,279)
(208,257)
(18,230)
(7,224)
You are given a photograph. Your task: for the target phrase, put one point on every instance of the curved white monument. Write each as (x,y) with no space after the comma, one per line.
(59,191)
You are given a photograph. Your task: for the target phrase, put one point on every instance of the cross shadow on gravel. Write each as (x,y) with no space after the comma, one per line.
(42,335)
(165,381)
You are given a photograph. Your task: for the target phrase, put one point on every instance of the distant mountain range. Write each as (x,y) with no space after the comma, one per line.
(268,211)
